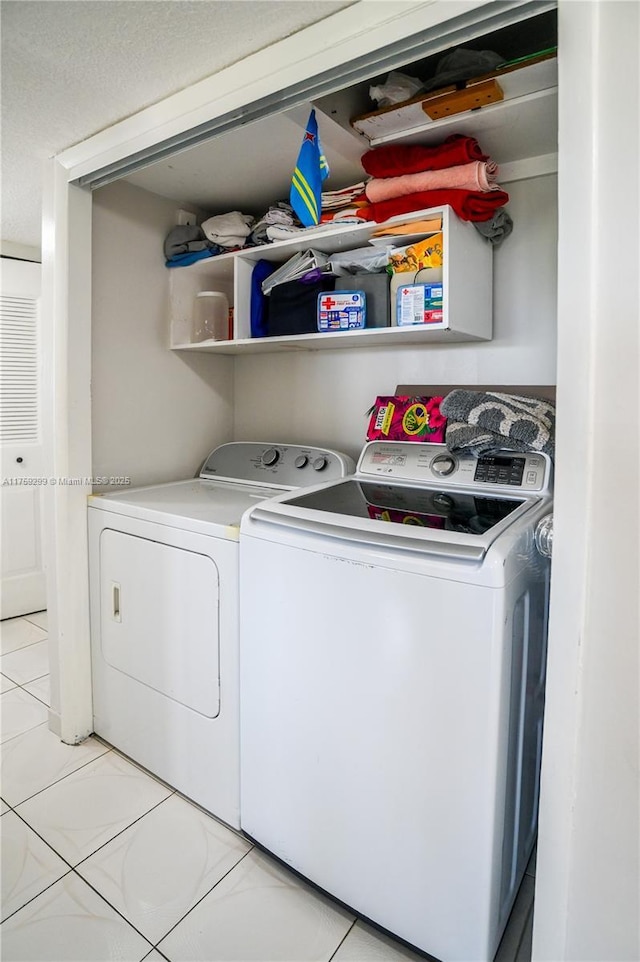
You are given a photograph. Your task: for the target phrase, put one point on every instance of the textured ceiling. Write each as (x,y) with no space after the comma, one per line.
(73,67)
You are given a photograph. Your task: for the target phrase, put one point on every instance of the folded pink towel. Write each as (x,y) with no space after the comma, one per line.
(478,175)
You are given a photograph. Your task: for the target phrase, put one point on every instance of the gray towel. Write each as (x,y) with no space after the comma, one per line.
(184,239)
(482,422)
(496,229)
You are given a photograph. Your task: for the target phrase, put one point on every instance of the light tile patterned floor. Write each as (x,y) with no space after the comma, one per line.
(100,861)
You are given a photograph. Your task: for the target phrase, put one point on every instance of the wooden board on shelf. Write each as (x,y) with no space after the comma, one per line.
(516,81)
(456,101)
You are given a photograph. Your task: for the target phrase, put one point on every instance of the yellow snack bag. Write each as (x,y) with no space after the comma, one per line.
(424,253)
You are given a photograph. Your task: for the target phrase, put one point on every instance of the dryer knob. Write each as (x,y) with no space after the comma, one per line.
(319,464)
(270,457)
(301,461)
(443,465)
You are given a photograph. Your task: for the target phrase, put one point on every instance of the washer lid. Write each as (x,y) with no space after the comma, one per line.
(420,507)
(429,520)
(210,507)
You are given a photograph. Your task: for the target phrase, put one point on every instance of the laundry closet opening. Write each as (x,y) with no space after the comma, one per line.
(160,403)
(204,396)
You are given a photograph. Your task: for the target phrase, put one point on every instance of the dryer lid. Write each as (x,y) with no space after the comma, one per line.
(209,507)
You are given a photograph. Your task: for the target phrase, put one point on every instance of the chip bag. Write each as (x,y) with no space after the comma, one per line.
(399,418)
(415,257)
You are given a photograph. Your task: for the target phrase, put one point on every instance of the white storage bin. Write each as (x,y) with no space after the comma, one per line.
(210,317)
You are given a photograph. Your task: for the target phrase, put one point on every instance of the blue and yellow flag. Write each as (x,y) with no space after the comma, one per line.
(312,168)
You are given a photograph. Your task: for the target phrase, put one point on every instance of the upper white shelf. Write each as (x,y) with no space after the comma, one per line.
(521,126)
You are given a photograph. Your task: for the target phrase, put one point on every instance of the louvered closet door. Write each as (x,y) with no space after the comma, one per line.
(21,454)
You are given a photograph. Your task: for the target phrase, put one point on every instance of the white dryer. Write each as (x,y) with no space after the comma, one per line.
(392,673)
(164,613)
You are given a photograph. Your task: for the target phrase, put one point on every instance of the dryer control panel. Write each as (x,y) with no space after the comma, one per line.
(416,462)
(285,465)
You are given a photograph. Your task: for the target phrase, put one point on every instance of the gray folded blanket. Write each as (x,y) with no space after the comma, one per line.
(184,239)
(485,422)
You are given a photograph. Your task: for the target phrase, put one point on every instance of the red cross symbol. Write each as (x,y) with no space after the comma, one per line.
(329,303)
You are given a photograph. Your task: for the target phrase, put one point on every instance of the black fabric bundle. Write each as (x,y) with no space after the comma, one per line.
(484,422)
(293,307)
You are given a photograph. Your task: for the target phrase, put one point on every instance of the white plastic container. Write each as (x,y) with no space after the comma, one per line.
(210,317)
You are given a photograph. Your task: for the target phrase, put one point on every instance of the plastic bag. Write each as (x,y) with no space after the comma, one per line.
(396,88)
(370,260)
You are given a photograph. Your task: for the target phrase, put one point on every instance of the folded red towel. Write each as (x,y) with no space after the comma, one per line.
(468,204)
(397,159)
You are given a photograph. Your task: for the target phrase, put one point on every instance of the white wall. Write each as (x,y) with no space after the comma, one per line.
(156,413)
(322,397)
(588,871)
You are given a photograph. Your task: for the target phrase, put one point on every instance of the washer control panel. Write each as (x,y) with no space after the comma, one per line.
(413,461)
(284,465)
(443,465)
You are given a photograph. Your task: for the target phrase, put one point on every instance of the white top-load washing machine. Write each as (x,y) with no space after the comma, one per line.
(164,613)
(392,674)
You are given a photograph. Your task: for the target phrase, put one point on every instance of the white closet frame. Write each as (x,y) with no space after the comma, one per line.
(588,856)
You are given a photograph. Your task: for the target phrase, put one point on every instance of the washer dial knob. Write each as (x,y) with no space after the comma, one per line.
(270,457)
(319,464)
(301,461)
(443,465)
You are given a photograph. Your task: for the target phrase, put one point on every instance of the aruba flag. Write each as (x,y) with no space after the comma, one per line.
(312,168)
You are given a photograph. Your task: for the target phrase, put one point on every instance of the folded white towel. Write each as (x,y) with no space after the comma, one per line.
(228,230)
(276,232)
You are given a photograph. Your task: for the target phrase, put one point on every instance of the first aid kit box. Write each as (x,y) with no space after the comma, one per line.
(341,311)
(419,304)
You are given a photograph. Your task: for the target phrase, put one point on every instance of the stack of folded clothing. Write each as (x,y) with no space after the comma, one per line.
(229,231)
(344,204)
(269,226)
(187,244)
(412,177)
